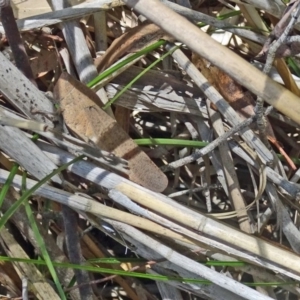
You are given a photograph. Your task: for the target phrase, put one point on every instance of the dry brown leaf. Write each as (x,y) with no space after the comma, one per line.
(233,93)
(43,62)
(89,121)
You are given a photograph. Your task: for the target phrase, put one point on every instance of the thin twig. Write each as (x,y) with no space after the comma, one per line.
(195,190)
(261,122)
(199,153)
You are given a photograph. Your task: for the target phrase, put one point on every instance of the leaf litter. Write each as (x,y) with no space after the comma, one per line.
(169,209)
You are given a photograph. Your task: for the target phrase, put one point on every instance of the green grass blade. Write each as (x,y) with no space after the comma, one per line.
(97,269)
(109,103)
(43,250)
(293,65)
(116,260)
(8,182)
(233,264)
(187,143)
(29,192)
(11,176)
(23,183)
(114,68)
(136,274)
(229,15)
(170,142)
